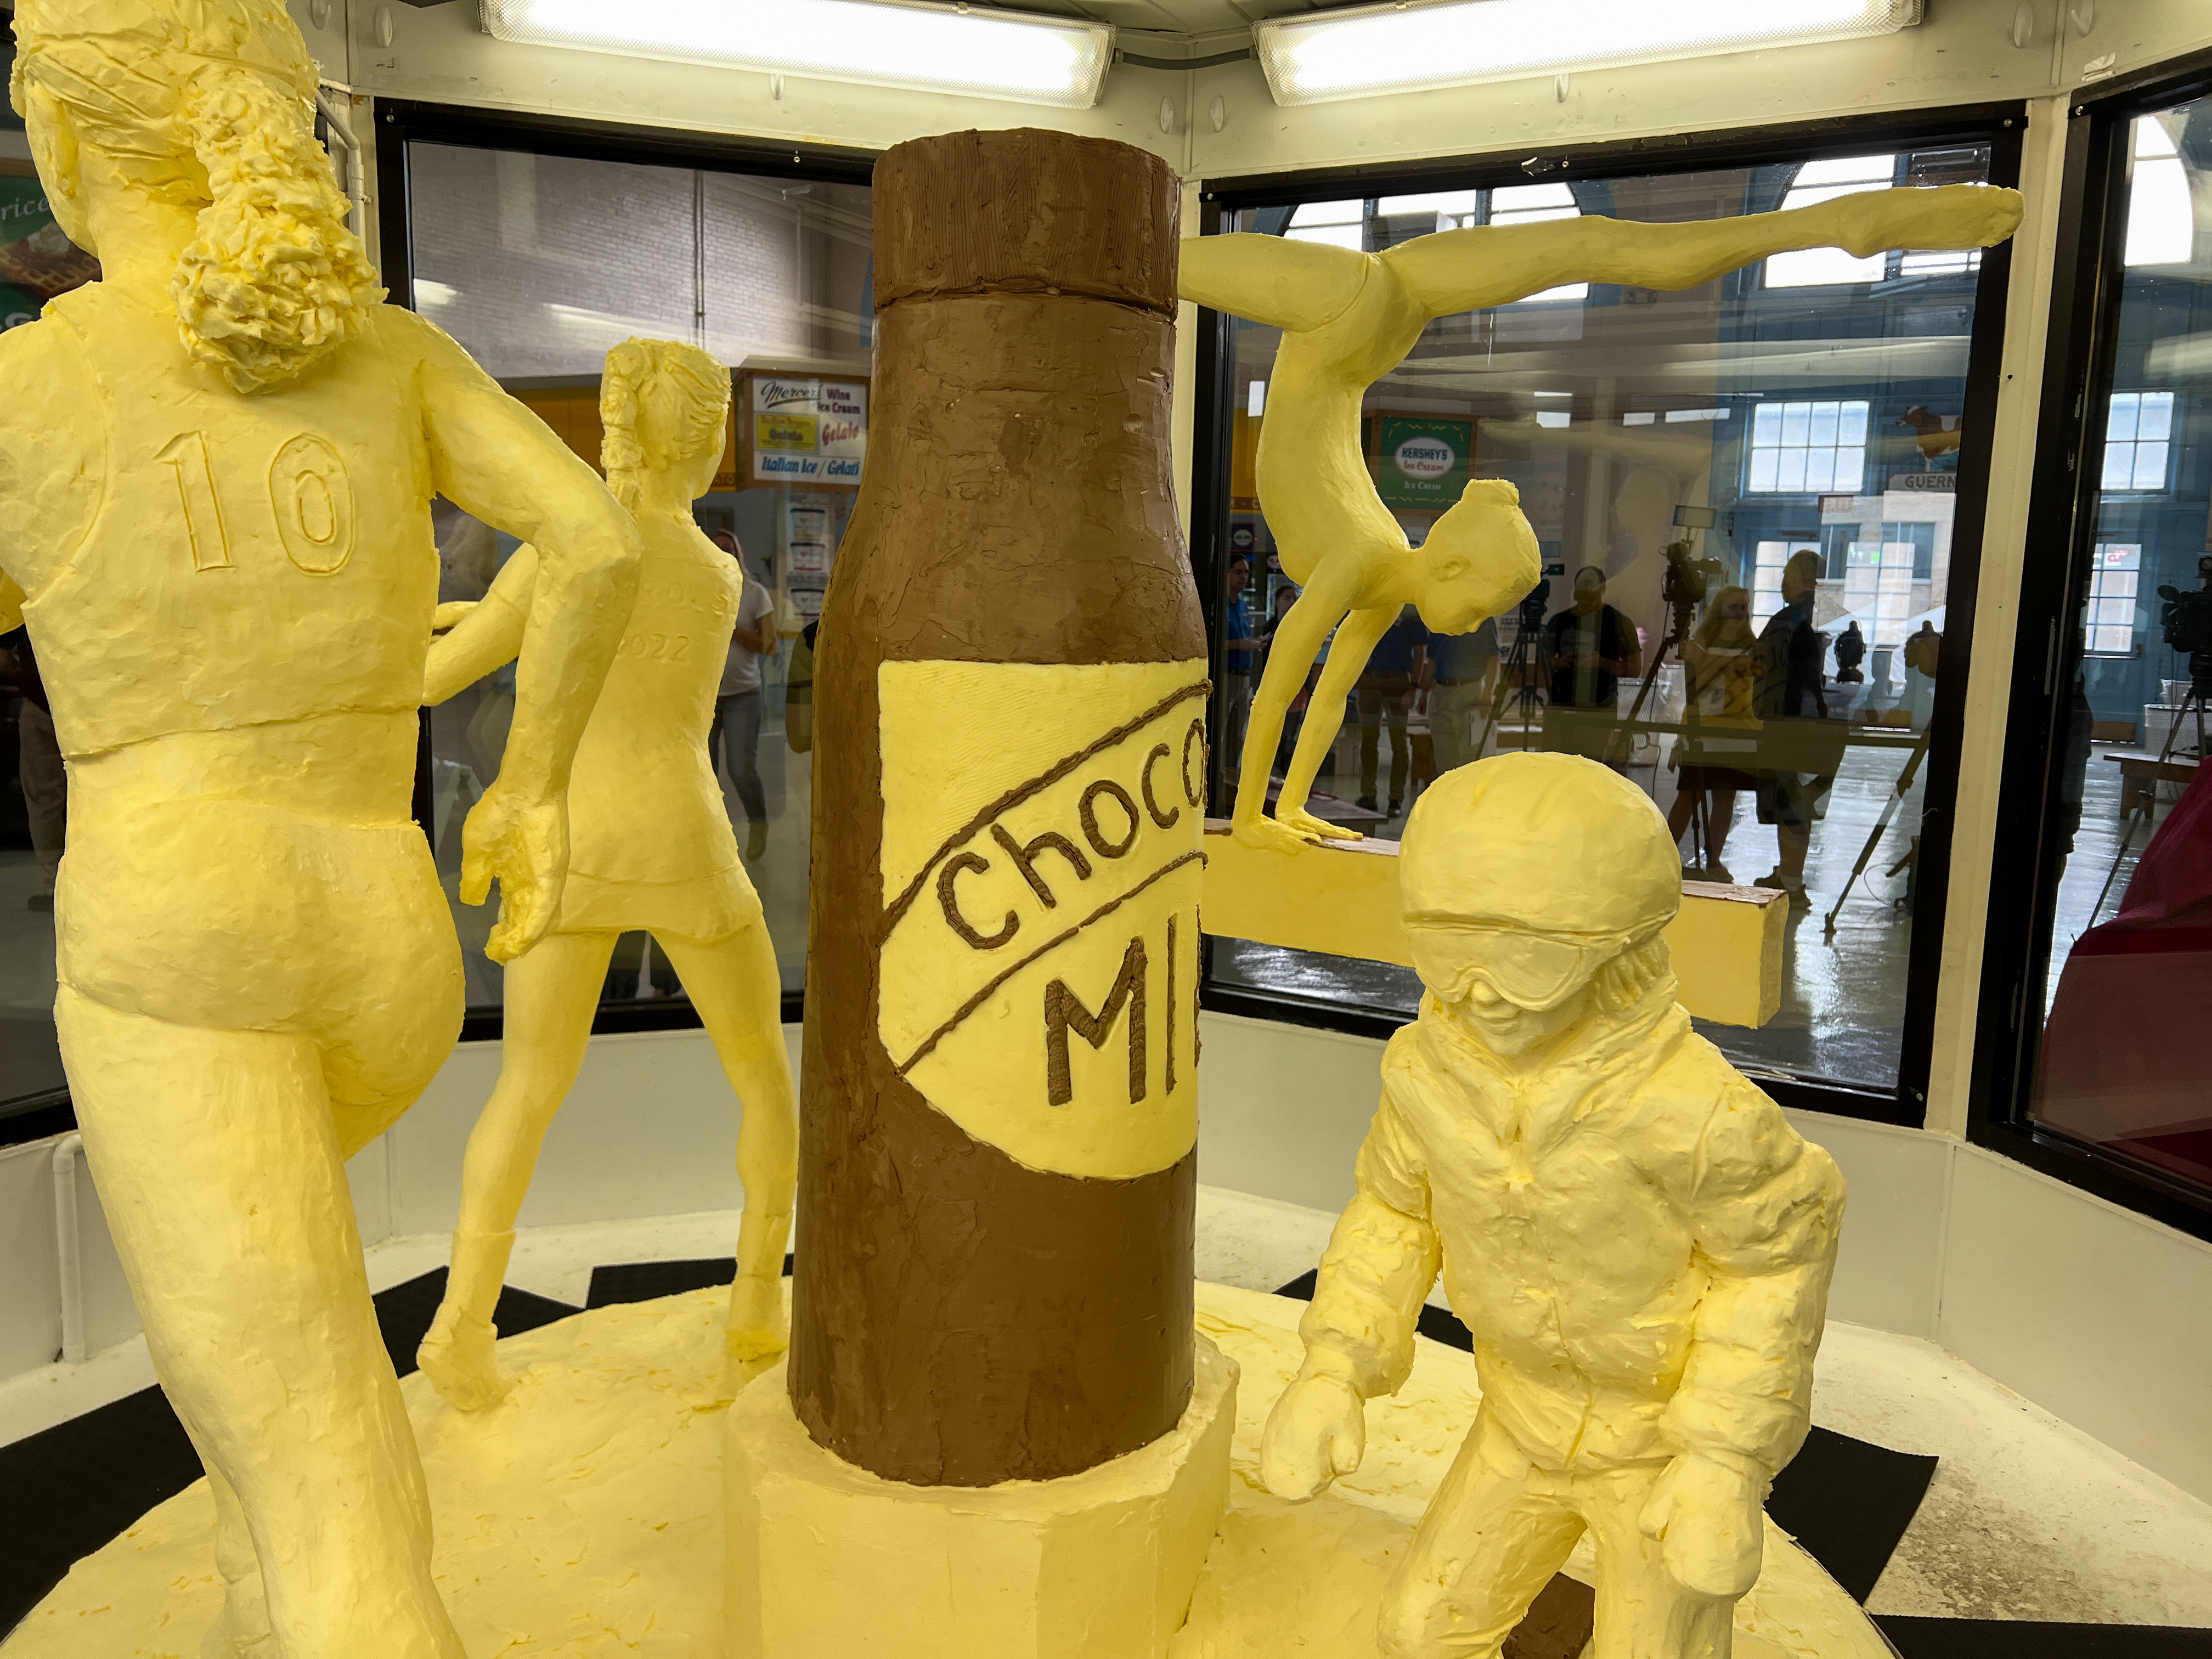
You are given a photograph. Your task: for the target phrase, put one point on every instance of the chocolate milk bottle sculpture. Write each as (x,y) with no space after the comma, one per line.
(1001,1108)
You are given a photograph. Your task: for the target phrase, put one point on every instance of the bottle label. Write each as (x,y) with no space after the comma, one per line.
(1041,863)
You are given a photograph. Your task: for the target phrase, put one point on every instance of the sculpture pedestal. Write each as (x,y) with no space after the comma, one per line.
(828,1561)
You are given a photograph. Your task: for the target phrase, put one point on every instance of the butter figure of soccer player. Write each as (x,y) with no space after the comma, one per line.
(1639,1242)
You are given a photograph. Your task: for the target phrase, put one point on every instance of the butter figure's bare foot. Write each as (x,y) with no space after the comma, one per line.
(1948,216)
(458,1357)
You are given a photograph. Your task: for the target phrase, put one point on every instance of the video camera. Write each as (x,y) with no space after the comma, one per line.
(1534,606)
(1688,577)
(2187,620)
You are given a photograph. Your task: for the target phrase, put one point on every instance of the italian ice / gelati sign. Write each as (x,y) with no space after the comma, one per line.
(807,431)
(1424,463)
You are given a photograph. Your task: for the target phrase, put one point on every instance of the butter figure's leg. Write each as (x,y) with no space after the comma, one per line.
(738,989)
(549,992)
(1493,1537)
(1354,643)
(1641,1609)
(241,1629)
(220,1172)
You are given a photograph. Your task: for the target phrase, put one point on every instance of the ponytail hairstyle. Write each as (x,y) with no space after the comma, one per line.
(210,103)
(662,402)
(1629,977)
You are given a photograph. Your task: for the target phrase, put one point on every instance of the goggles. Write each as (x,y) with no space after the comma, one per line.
(1535,971)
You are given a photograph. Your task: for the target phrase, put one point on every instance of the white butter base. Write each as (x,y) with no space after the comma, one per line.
(582,1515)
(828,1561)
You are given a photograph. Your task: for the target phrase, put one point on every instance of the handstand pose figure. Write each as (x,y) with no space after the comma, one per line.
(1349,318)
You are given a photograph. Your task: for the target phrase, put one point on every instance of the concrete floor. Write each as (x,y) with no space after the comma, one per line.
(2026,1517)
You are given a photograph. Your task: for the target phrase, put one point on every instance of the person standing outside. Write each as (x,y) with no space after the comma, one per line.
(1800,748)
(1593,646)
(1237,660)
(1464,673)
(736,724)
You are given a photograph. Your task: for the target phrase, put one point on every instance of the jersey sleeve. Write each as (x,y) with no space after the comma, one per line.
(1382,1260)
(52,450)
(1765,1208)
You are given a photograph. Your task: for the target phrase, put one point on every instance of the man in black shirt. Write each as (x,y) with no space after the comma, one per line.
(1593,648)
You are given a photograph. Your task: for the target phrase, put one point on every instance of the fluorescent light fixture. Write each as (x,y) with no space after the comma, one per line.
(1016,56)
(1412,46)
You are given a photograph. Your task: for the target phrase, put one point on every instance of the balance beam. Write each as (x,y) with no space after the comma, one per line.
(1341,897)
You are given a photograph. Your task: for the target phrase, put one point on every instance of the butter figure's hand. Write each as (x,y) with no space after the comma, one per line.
(1708,1516)
(523,840)
(450,613)
(1304,824)
(1317,1432)
(758,1331)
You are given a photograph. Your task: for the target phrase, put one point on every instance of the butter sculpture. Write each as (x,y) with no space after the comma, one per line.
(1348,319)
(1639,1242)
(216,465)
(651,847)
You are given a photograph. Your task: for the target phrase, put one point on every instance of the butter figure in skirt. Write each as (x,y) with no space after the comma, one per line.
(1639,1242)
(650,847)
(1348,319)
(216,465)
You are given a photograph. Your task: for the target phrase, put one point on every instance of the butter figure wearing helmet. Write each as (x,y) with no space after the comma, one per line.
(1638,1241)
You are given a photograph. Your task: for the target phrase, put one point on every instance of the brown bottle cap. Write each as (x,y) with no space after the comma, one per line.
(1026,211)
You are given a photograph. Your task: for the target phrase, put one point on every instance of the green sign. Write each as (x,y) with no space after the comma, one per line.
(1423,462)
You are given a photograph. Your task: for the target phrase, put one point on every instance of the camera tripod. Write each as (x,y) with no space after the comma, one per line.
(1513,671)
(1682,591)
(2200,691)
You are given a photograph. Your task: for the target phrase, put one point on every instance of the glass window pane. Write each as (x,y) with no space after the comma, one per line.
(538,264)
(1761,400)
(2121,1063)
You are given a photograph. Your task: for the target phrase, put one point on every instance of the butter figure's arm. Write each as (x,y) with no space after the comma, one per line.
(498,462)
(489,636)
(1362,631)
(1767,1213)
(1382,1260)
(1456,270)
(1295,286)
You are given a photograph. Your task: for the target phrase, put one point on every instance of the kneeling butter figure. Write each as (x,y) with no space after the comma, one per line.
(1639,1242)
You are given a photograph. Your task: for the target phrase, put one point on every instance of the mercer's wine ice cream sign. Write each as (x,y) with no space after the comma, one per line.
(1041,878)
(808,431)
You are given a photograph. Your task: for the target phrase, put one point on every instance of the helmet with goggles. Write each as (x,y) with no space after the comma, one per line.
(1529,872)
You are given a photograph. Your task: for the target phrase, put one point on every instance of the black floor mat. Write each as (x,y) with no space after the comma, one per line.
(1847,1502)
(83,1483)
(2017,1638)
(75,1487)
(648,1281)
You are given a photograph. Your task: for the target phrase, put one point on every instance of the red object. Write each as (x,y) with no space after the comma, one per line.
(2127,1062)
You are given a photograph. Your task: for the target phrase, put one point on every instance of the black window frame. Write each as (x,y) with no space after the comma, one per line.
(2088,280)
(2001,125)
(401,122)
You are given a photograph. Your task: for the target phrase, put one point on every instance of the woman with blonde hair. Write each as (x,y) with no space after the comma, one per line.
(651,847)
(1720,674)
(216,465)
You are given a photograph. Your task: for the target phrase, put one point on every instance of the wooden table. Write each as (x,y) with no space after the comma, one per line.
(2141,772)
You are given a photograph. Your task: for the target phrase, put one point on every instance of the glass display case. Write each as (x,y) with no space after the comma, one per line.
(1754,501)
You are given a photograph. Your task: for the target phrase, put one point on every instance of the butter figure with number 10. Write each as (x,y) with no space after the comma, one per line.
(216,465)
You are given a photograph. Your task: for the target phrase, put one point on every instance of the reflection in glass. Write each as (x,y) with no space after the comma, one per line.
(1744,496)
(2123,1062)
(537,264)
